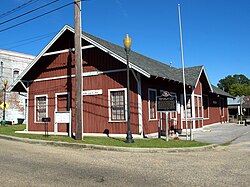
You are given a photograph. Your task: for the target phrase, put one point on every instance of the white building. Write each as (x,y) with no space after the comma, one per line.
(11,65)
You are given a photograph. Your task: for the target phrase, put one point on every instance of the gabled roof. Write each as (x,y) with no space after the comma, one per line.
(192,75)
(144,65)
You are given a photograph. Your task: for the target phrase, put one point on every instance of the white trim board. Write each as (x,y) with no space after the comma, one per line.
(85,74)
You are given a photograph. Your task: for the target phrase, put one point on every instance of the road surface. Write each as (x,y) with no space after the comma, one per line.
(24,164)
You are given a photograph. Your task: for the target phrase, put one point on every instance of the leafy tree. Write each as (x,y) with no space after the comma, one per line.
(235,85)
(239,89)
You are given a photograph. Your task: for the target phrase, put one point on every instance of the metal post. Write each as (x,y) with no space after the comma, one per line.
(4,104)
(78,70)
(160,125)
(129,138)
(167,124)
(183,72)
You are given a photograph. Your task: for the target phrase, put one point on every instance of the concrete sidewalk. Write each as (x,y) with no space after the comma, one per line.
(222,133)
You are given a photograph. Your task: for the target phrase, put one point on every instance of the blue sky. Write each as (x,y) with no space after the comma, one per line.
(216,33)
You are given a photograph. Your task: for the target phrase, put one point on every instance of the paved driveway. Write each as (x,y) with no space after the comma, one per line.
(223,133)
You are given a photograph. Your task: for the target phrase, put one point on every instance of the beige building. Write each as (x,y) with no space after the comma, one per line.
(11,66)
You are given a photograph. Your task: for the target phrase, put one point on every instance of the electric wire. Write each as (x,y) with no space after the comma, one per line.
(30,2)
(27,41)
(26,13)
(41,15)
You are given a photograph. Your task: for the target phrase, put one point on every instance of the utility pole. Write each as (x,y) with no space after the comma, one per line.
(78,72)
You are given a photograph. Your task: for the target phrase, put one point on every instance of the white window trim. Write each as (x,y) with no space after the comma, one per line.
(207,107)
(15,69)
(60,93)
(109,105)
(183,108)
(156,116)
(202,112)
(176,113)
(222,115)
(46,95)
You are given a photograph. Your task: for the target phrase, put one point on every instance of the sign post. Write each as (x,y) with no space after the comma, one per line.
(46,129)
(166,103)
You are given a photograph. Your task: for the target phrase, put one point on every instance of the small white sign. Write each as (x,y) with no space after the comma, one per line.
(92,92)
(62,117)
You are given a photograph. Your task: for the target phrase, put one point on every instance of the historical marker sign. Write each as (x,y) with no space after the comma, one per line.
(166,103)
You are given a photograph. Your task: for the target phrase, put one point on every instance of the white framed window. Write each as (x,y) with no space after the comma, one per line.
(198,106)
(152,93)
(117,105)
(188,105)
(41,107)
(205,102)
(173,115)
(15,74)
(63,97)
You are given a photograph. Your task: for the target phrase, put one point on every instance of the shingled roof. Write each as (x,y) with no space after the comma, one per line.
(221,92)
(151,66)
(148,66)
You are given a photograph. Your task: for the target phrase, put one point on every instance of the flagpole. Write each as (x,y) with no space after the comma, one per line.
(183,72)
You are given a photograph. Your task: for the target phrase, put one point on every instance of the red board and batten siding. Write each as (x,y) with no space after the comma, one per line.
(159,84)
(95,106)
(96,115)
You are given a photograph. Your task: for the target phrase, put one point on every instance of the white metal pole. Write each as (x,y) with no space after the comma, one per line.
(167,124)
(183,71)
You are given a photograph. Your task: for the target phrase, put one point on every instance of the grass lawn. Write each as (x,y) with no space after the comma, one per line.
(143,143)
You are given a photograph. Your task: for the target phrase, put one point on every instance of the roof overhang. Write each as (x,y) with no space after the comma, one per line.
(14,86)
(209,84)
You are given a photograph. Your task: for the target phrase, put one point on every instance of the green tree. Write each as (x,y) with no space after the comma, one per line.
(235,85)
(239,89)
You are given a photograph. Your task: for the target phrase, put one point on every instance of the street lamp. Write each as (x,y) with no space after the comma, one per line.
(127,43)
(5,82)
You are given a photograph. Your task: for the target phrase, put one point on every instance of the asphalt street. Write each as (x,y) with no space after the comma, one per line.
(24,164)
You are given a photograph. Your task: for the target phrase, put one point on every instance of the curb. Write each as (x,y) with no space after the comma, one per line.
(110,148)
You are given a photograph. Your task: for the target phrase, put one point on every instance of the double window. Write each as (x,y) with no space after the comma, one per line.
(117,105)
(41,107)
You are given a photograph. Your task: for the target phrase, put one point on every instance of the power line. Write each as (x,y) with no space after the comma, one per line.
(27,41)
(28,12)
(18,8)
(41,15)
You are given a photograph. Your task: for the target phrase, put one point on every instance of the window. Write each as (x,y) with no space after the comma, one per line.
(189,107)
(205,106)
(222,107)
(198,106)
(152,103)
(15,74)
(117,103)
(41,108)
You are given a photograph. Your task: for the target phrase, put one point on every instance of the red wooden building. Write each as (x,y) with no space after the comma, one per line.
(50,79)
